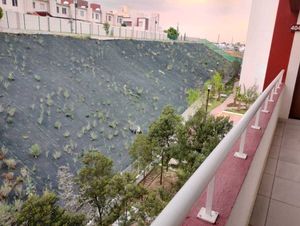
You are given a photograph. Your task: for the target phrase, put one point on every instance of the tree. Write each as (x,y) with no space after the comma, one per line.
(1,13)
(128,192)
(161,133)
(106,27)
(236,65)
(197,139)
(141,151)
(217,84)
(148,208)
(192,95)
(172,33)
(94,180)
(43,210)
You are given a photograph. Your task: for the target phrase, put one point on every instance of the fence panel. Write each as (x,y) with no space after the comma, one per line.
(31,22)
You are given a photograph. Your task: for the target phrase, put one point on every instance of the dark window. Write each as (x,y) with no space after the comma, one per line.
(64,10)
(33,5)
(97,16)
(15,2)
(4,2)
(57,9)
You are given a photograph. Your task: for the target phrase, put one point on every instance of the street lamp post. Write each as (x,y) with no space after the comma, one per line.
(207,99)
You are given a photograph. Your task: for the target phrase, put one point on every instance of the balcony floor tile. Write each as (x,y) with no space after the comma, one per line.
(280,191)
(281,214)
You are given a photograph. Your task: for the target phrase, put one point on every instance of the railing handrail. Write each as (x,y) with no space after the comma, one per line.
(176,210)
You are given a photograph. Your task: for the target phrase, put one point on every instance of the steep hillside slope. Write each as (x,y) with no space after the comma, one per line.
(68,95)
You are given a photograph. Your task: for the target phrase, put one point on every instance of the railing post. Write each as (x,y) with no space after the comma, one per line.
(256,124)
(206,213)
(271,99)
(240,154)
(265,110)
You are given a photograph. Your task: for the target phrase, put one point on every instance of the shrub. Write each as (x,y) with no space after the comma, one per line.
(37,78)
(56,155)
(11,163)
(57,125)
(94,136)
(35,150)
(11,111)
(11,76)
(66,134)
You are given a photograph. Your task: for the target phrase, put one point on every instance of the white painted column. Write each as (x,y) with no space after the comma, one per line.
(258,44)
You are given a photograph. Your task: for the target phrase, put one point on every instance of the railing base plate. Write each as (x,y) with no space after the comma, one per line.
(265,111)
(206,217)
(256,127)
(271,101)
(240,155)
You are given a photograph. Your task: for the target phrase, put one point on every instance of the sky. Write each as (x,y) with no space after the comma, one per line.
(197,18)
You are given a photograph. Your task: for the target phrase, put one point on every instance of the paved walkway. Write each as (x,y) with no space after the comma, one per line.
(218,111)
(278,199)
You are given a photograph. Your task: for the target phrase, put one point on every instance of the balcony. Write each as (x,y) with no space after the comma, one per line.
(223,189)
(278,199)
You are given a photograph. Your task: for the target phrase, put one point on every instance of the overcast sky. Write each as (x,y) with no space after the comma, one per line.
(198,18)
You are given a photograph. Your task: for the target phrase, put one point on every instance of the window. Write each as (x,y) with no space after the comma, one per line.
(109,18)
(15,2)
(33,5)
(57,9)
(4,2)
(42,6)
(81,13)
(64,10)
(97,16)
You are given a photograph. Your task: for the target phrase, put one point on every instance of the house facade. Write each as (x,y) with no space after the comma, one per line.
(83,11)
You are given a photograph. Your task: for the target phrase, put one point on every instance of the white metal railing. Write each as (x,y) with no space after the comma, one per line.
(177,209)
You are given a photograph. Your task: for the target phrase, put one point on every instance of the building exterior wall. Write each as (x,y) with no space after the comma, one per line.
(258,44)
(291,74)
(281,42)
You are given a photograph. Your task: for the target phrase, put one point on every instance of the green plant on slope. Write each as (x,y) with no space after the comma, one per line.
(35,150)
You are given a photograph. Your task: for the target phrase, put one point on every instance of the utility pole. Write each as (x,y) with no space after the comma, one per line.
(218,38)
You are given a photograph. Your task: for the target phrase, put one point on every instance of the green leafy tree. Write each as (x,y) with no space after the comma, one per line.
(162,132)
(106,27)
(217,84)
(199,136)
(141,151)
(192,95)
(172,33)
(94,180)
(124,187)
(43,210)
(148,208)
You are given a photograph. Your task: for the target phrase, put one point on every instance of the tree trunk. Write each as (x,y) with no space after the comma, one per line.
(161,168)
